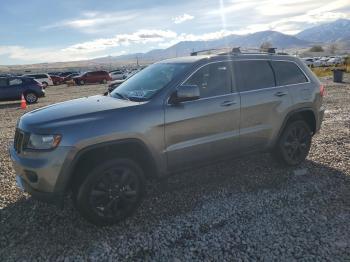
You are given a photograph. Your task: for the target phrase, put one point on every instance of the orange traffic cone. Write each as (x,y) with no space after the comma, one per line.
(23,103)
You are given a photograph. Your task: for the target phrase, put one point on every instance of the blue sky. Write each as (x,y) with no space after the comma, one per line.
(36,31)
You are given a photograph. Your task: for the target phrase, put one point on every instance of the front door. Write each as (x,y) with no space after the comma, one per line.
(207,128)
(5,90)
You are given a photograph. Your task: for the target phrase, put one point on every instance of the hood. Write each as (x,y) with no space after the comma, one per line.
(73,112)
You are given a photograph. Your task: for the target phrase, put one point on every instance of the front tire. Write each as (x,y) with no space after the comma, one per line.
(82,82)
(31,97)
(110,192)
(294,144)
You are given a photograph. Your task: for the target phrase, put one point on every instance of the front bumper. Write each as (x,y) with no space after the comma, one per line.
(41,173)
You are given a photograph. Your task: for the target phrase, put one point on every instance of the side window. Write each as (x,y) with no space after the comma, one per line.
(15,81)
(3,82)
(254,75)
(288,73)
(213,79)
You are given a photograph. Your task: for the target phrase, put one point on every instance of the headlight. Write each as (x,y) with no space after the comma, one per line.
(43,141)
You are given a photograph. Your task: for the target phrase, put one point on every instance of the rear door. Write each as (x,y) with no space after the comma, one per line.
(17,87)
(263,104)
(207,128)
(288,73)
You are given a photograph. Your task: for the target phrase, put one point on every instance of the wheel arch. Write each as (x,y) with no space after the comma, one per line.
(88,157)
(307,114)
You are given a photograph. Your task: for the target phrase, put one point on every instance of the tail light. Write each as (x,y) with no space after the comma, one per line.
(322,90)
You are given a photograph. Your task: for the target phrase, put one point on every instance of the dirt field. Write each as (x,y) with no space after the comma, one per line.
(248,209)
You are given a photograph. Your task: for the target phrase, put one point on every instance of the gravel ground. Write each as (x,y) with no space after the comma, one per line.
(243,209)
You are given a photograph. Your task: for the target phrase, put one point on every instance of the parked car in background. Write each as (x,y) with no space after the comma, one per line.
(308,61)
(114,84)
(64,74)
(12,88)
(70,77)
(44,79)
(323,61)
(334,61)
(93,77)
(57,80)
(117,75)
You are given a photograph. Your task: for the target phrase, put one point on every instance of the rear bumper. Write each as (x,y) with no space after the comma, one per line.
(47,197)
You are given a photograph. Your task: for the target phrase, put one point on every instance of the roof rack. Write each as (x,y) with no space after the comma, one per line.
(236,50)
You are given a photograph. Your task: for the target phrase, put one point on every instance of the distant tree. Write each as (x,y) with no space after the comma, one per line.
(316,48)
(333,48)
(265,46)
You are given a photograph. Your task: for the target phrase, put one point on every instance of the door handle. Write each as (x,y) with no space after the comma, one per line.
(228,103)
(279,94)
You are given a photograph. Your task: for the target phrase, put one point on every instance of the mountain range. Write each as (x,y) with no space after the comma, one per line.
(335,32)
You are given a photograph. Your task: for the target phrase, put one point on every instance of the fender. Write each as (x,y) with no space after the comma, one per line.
(73,159)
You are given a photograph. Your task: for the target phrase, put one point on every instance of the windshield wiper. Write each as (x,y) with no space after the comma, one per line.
(121,96)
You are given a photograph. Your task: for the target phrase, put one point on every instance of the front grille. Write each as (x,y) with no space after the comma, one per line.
(20,140)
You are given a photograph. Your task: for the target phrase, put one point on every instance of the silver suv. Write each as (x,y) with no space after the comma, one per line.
(172,115)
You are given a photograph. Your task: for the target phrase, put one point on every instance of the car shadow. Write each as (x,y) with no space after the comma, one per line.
(28,224)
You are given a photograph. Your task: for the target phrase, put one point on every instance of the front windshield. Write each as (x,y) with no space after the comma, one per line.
(143,85)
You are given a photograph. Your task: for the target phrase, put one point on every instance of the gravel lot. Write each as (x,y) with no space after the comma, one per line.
(243,209)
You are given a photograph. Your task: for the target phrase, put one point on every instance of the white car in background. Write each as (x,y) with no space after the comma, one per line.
(308,61)
(312,62)
(334,61)
(117,75)
(44,79)
(316,63)
(323,61)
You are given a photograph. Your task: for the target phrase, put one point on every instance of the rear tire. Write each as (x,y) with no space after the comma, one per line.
(104,81)
(294,144)
(110,192)
(31,97)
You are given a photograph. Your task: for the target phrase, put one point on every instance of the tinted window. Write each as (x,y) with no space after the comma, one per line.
(213,79)
(288,73)
(15,81)
(254,75)
(3,82)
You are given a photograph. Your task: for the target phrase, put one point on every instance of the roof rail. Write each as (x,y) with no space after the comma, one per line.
(211,51)
(236,50)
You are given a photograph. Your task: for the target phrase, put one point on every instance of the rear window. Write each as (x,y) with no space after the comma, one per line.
(38,76)
(254,75)
(288,73)
(15,81)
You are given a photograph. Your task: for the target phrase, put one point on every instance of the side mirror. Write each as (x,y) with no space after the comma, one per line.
(185,93)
